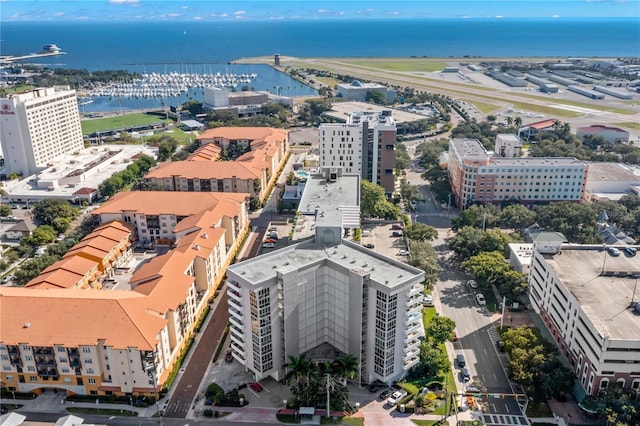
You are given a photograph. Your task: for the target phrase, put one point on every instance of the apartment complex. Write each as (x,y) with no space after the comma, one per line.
(264,150)
(158,215)
(326,291)
(588,299)
(364,145)
(477,176)
(38,126)
(124,341)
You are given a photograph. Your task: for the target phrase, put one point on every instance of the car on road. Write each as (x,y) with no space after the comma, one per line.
(403,252)
(376,387)
(369,245)
(631,251)
(473,284)
(397,227)
(461,361)
(480,299)
(454,336)
(396,234)
(256,387)
(7,279)
(396,396)
(269,245)
(270,240)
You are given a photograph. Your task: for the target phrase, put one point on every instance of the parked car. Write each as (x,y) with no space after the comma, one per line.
(461,361)
(403,252)
(386,393)
(613,251)
(466,375)
(270,240)
(7,279)
(228,356)
(369,245)
(427,300)
(396,396)
(631,251)
(480,299)
(376,387)
(256,387)
(396,234)
(269,245)
(397,226)
(473,284)
(272,235)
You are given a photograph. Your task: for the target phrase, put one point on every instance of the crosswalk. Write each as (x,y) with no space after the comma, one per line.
(504,420)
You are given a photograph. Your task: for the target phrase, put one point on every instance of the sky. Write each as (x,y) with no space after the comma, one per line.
(211,10)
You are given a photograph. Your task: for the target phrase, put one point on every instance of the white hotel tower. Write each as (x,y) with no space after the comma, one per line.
(37,127)
(324,296)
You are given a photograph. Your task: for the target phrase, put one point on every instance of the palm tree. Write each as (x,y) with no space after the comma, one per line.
(303,372)
(346,367)
(518,121)
(509,121)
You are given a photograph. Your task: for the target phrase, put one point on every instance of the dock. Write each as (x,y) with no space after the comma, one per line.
(5,60)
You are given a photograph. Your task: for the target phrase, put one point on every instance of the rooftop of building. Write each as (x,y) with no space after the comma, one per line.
(68,174)
(509,137)
(204,170)
(596,128)
(307,254)
(604,298)
(330,198)
(523,252)
(77,317)
(544,124)
(357,84)
(612,172)
(166,202)
(470,149)
(537,161)
(245,133)
(341,110)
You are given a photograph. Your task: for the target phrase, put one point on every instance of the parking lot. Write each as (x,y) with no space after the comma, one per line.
(385,240)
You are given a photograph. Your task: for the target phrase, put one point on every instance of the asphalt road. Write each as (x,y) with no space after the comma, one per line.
(129,421)
(476,332)
(187,387)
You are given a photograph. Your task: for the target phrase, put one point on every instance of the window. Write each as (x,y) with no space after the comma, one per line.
(92,381)
(388,171)
(33,378)
(86,350)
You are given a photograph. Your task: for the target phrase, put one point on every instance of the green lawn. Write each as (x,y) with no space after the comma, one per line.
(402,65)
(353,421)
(629,125)
(15,89)
(102,411)
(430,422)
(116,122)
(539,409)
(184,138)
(483,107)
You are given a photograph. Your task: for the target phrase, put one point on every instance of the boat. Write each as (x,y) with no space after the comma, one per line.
(51,48)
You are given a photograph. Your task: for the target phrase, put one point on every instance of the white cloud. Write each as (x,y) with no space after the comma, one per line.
(81,18)
(184,7)
(58,14)
(224,15)
(197,18)
(323,11)
(393,13)
(123,1)
(341,13)
(555,16)
(170,15)
(276,18)
(239,13)
(499,16)
(465,17)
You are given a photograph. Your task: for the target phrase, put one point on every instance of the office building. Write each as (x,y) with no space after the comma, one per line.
(588,299)
(364,145)
(37,127)
(608,133)
(476,176)
(324,296)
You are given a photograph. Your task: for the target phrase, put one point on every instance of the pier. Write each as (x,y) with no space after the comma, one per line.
(6,60)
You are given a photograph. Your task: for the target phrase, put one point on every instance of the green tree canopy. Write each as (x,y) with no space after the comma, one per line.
(373,202)
(421,232)
(440,329)
(46,211)
(487,267)
(577,222)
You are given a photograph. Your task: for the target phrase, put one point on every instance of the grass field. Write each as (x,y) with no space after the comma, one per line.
(483,107)
(116,122)
(634,126)
(5,91)
(430,422)
(402,65)
(331,82)
(184,138)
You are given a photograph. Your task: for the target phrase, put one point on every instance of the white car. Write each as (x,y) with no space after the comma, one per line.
(473,284)
(396,396)
(403,252)
(480,299)
(269,245)
(427,300)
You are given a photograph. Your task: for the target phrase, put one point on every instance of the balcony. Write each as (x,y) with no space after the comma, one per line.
(236,340)
(414,309)
(415,344)
(235,321)
(234,312)
(72,352)
(235,304)
(233,285)
(412,318)
(15,360)
(416,289)
(412,336)
(411,362)
(13,350)
(233,294)
(415,327)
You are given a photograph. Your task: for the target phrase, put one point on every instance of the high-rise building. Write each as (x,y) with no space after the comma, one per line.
(325,296)
(364,145)
(477,176)
(37,127)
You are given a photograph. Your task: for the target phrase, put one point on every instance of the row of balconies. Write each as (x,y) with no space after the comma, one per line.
(42,351)
(45,361)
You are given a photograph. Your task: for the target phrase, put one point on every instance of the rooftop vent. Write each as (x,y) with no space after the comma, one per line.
(196,247)
(205,236)
(26,325)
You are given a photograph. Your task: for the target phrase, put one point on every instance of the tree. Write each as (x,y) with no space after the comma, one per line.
(440,330)
(421,232)
(577,222)
(517,216)
(41,235)
(466,242)
(425,257)
(487,267)
(373,202)
(517,121)
(46,211)
(5,210)
(377,97)
(346,366)
(403,159)
(432,361)
(410,192)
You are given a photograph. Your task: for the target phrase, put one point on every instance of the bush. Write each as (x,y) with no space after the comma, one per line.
(208,412)
(214,391)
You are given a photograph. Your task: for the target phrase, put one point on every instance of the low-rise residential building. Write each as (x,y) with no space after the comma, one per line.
(21,229)
(155,215)
(119,342)
(610,134)
(588,299)
(476,176)
(263,153)
(533,129)
(326,291)
(71,272)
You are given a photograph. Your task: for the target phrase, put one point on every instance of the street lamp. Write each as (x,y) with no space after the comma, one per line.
(151,372)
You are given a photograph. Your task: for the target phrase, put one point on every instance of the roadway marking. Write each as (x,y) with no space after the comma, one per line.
(265,388)
(485,352)
(495,377)
(506,407)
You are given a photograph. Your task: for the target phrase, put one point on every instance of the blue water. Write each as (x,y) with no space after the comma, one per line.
(210,46)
